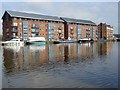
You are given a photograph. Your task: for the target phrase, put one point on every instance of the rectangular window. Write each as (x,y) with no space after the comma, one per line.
(7,34)
(33,25)
(79,29)
(51,30)
(37,34)
(33,35)
(14,18)
(25,35)
(20,34)
(37,26)
(60,31)
(15,24)
(87,29)
(14,35)
(7,29)
(71,28)
(37,30)
(33,30)
(14,29)
(79,36)
(20,23)
(25,24)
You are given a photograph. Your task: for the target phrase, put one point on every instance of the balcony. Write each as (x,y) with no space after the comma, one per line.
(37,30)
(34,26)
(33,31)
(14,30)
(25,32)
(15,24)
(87,29)
(7,30)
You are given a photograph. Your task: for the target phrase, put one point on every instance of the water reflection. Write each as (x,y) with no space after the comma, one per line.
(104,48)
(66,54)
(27,57)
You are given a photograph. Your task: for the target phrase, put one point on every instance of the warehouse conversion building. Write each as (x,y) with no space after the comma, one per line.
(105,31)
(24,25)
(79,29)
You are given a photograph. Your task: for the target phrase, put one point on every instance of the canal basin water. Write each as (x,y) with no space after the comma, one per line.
(68,65)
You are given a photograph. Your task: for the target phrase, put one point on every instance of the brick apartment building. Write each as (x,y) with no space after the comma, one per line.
(24,25)
(79,29)
(105,31)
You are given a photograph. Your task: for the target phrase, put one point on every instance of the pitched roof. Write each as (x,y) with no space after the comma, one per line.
(31,15)
(71,20)
(46,17)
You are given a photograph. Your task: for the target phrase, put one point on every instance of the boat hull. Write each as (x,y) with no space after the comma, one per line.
(12,43)
(83,41)
(36,43)
(66,41)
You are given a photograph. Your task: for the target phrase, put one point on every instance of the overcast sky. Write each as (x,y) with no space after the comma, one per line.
(94,11)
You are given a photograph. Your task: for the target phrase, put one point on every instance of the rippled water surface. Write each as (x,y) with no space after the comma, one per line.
(88,65)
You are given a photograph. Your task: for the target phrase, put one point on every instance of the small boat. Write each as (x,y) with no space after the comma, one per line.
(64,41)
(36,41)
(118,39)
(13,42)
(85,40)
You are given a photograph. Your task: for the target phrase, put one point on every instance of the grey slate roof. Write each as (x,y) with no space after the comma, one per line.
(31,15)
(46,17)
(71,20)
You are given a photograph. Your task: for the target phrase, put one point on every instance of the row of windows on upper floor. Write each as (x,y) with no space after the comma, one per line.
(80,24)
(50,35)
(39,34)
(50,26)
(36,25)
(50,30)
(46,34)
(14,29)
(36,20)
(54,34)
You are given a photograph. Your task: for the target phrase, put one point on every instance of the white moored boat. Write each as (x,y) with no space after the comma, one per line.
(13,42)
(36,40)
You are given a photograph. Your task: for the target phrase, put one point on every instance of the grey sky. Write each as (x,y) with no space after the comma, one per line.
(94,11)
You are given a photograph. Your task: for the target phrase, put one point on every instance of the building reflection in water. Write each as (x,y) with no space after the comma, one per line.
(27,57)
(104,48)
(37,55)
(66,54)
(86,51)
